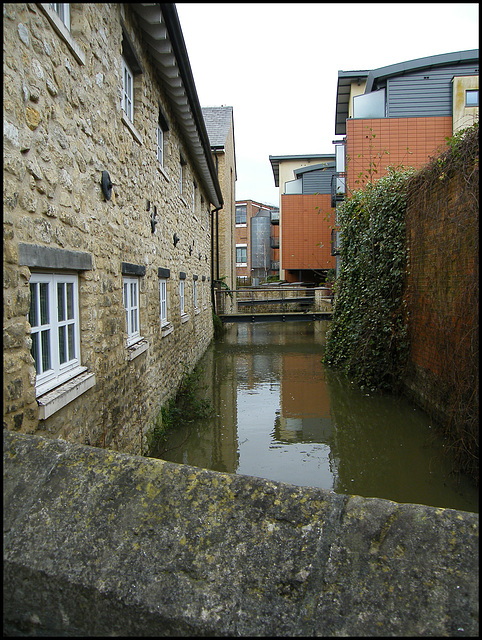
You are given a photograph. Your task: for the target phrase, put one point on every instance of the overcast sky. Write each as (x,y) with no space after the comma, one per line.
(277,65)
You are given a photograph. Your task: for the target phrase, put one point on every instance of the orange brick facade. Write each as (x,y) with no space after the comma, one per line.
(306,233)
(384,142)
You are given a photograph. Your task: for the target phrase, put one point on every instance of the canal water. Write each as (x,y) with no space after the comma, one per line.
(280,414)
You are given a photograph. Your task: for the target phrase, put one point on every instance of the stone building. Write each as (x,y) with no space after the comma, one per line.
(220,127)
(109,193)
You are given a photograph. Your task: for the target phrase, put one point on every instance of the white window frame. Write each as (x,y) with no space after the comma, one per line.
(160,145)
(194,191)
(181,296)
(194,294)
(471,92)
(181,177)
(62,9)
(163,301)
(130,294)
(241,246)
(127,91)
(47,327)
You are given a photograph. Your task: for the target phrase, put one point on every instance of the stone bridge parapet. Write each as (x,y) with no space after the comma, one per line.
(102,543)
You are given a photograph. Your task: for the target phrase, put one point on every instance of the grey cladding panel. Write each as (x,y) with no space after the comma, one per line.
(426,93)
(317,181)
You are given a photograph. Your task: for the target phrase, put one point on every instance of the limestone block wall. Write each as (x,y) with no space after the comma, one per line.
(100,543)
(64,126)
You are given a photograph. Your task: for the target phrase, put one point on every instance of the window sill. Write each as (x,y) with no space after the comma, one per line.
(63,32)
(135,134)
(184,318)
(61,396)
(197,311)
(241,225)
(161,169)
(183,201)
(137,348)
(166,329)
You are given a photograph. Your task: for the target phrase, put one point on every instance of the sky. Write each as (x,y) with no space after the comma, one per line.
(277,65)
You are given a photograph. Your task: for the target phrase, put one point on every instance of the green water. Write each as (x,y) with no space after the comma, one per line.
(279,414)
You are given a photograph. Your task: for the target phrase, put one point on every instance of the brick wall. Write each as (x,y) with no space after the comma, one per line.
(383,142)
(442,291)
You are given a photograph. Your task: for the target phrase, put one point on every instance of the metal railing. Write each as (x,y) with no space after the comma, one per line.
(273,299)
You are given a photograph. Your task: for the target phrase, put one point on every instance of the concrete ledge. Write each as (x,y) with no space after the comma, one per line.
(102,543)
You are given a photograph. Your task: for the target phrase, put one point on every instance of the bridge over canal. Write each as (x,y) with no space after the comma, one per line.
(283,303)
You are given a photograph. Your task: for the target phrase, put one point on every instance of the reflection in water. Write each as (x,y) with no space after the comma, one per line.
(281,415)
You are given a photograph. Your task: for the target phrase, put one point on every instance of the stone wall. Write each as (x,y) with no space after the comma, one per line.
(103,543)
(63,126)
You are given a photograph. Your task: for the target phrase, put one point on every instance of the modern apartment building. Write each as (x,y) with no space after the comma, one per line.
(401,114)
(257,241)
(220,128)
(306,215)
(109,188)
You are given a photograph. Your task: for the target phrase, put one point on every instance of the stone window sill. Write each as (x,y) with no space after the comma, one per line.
(166,329)
(183,201)
(161,169)
(197,311)
(59,397)
(184,318)
(63,32)
(137,348)
(135,134)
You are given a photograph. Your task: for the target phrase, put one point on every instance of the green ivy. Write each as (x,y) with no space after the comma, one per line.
(367,338)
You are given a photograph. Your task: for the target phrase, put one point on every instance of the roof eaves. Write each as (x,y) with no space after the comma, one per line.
(163,35)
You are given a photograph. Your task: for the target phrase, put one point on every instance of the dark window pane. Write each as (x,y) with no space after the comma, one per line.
(44,303)
(32,314)
(45,350)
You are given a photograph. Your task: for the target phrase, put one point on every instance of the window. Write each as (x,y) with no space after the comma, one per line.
(194,293)
(472,98)
(160,145)
(194,196)
(63,11)
(163,298)
(242,254)
(131,305)
(241,214)
(162,129)
(181,296)
(182,164)
(54,321)
(127,90)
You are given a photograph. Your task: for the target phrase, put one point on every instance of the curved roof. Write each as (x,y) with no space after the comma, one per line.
(275,160)
(419,63)
(162,34)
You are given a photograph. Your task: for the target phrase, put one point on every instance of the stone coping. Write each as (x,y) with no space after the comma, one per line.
(104,543)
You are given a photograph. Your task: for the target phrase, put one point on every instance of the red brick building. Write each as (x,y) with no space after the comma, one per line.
(257,241)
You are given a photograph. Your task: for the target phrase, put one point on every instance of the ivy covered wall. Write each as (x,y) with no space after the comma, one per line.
(442,293)
(406,307)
